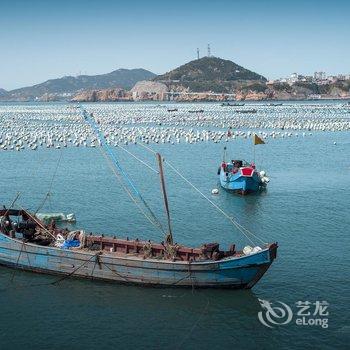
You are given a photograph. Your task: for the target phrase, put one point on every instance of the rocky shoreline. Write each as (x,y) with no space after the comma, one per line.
(155,91)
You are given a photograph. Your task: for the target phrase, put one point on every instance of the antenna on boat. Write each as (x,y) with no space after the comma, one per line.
(169,237)
(224,155)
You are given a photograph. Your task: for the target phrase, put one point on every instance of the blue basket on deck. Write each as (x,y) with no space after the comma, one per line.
(71,244)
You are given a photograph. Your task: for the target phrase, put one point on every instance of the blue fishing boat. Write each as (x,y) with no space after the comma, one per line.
(33,247)
(30,244)
(240,176)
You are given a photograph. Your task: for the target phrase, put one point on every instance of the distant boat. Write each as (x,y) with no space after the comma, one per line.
(172,110)
(275,104)
(196,111)
(246,111)
(28,243)
(228,104)
(240,176)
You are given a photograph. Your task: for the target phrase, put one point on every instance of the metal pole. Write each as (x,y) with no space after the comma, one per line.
(254,148)
(165,197)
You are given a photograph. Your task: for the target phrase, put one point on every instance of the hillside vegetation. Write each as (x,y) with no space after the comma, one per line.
(121,78)
(210,74)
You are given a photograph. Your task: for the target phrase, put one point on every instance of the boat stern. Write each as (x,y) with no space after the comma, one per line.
(243,180)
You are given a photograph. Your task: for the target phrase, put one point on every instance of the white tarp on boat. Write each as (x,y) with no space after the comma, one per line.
(47,217)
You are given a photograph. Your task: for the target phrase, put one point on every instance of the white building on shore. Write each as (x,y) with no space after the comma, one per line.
(318,77)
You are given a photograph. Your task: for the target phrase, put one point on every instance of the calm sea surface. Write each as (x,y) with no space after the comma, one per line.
(305,209)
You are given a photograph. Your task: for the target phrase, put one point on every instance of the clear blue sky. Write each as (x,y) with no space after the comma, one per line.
(40,40)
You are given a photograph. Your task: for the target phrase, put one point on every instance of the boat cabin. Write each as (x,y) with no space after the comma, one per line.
(235,165)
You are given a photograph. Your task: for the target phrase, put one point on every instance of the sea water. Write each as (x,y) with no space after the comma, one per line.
(305,209)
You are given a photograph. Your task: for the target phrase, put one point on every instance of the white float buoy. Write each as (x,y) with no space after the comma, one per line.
(265,180)
(247,250)
(214,191)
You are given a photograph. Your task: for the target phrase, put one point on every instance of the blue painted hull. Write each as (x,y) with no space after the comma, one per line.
(233,272)
(240,183)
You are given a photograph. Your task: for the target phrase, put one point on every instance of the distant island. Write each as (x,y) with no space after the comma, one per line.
(67,87)
(204,79)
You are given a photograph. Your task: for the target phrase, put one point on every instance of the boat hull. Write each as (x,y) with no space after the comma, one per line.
(233,272)
(240,183)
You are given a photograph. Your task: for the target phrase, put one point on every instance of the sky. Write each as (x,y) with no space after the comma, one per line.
(41,40)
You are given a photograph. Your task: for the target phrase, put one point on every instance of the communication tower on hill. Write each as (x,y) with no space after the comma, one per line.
(197,53)
(209,54)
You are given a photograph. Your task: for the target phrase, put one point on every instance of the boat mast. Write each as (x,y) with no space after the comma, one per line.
(169,237)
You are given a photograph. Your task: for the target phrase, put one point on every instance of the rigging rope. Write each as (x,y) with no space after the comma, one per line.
(109,151)
(239,227)
(147,148)
(140,160)
(230,218)
(154,221)
(38,222)
(12,204)
(114,163)
(48,194)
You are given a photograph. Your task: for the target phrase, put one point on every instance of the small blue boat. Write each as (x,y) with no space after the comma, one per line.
(241,177)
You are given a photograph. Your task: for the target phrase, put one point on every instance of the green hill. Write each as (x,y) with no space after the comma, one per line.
(3,92)
(122,78)
(210,74)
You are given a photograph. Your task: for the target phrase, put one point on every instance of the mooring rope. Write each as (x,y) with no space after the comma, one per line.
(242,229)
(238,226)
(117,273)
(194,326)
(53,282)
(75,270)
(93,269)
(17,262)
